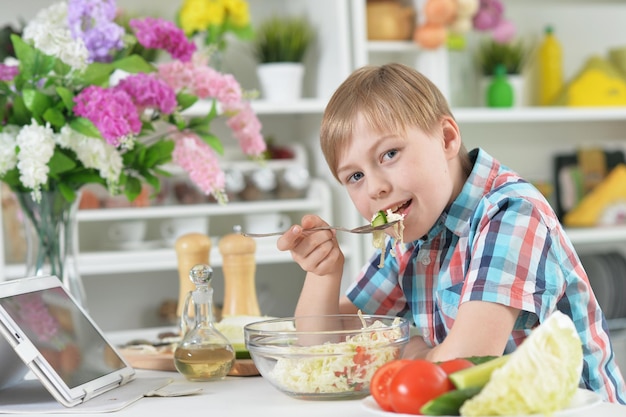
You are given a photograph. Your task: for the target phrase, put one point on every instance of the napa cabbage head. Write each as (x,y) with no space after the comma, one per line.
(540,377)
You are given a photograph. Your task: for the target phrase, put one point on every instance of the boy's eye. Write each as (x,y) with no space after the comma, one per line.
(390,154)
(355,177)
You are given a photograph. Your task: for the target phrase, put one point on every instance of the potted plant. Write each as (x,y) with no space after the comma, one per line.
(280,46)
(512,55)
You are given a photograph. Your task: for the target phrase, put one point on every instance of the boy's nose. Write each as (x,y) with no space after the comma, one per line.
(379,186)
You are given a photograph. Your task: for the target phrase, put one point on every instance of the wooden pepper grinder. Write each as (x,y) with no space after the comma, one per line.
(239,267)
(191,249)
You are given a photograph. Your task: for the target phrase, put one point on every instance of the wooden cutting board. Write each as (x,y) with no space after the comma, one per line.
(163,360)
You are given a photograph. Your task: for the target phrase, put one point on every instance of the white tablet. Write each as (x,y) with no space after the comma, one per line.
(45,331)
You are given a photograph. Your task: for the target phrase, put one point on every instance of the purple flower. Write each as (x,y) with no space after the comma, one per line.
(148,91)
(8,72)
(93,22)
(157,33)
(111,110)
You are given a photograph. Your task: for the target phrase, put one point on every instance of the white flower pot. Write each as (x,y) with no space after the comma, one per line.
(281,81)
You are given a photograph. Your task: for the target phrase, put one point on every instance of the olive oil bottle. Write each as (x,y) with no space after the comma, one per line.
(204,354)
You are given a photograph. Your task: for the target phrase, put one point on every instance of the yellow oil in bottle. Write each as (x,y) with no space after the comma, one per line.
(204,363)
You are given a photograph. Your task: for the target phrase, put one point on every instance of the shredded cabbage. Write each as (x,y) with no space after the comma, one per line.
(338,367)
(540,377)
(378,237)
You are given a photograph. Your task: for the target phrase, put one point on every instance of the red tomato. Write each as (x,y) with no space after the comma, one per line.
(454,365)
(379,386)
(415,384)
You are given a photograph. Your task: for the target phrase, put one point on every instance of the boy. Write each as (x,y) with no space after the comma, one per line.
(485,259)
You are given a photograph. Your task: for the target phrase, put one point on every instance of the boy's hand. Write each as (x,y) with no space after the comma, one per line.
(316,252)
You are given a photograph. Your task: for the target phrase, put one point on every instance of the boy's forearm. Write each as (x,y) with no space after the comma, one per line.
(320,294)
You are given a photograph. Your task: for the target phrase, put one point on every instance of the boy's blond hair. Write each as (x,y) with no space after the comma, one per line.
(391,97)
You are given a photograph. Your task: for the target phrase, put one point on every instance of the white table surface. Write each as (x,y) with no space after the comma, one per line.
(254,396)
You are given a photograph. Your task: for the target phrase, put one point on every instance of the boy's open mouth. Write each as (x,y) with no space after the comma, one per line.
(401,208)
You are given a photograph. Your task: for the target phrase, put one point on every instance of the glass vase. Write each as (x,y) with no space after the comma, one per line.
(51,239)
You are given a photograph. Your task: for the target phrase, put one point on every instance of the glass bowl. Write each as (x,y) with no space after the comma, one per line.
(325,357)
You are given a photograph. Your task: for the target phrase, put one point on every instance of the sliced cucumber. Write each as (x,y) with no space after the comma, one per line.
(379,219)
(478,375)
(449,404)
(242,354)
(477,360)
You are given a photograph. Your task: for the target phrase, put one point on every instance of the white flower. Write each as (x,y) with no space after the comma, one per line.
(93,153)
(36,145)
(8,156)
(51,34)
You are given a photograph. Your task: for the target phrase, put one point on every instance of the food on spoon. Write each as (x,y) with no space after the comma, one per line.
(540,377)
(378,237)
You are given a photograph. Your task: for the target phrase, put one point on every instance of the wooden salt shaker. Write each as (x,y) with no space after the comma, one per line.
(239,267)
(191,249)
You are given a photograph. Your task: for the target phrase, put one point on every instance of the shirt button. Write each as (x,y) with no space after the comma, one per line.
(425,260)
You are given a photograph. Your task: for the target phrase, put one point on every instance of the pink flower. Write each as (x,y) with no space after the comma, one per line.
(247,129)
(157,33)
(8,72)
(504,31)
(195,77)
(200,162)
(148,91)
(111,110)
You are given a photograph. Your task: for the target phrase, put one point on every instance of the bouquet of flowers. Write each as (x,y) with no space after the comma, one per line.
(64,124)
(215,18)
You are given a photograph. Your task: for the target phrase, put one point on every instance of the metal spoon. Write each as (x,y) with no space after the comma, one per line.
(368,228)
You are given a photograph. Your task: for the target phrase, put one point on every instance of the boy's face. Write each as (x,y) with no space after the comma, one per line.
(415,174)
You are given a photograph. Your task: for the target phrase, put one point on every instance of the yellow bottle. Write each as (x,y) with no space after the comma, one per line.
(550,68)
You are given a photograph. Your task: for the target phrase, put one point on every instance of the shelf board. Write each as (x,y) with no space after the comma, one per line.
(392,46)
(163,259)
(462,114)
(594,235)
(538,114)
(264,107)
(311,203)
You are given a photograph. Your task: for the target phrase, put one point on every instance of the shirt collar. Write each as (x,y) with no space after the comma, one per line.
(457,217)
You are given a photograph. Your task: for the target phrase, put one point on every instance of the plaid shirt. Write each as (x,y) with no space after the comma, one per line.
(501,242)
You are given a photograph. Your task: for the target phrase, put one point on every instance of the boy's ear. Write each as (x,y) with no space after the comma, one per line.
(451,135)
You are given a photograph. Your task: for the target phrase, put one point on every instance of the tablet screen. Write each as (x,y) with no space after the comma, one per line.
(63,335)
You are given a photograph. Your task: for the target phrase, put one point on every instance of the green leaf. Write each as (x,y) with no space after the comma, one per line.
(61,68)
(55,117)
(213,141)
(36,101)
(134,64)
(68,192)
(67,96)
(60,163)
(21,115)
(186,100)
(33,63)
(97,73)
(12,178)
(158,154)
(86,127)
(132,188)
